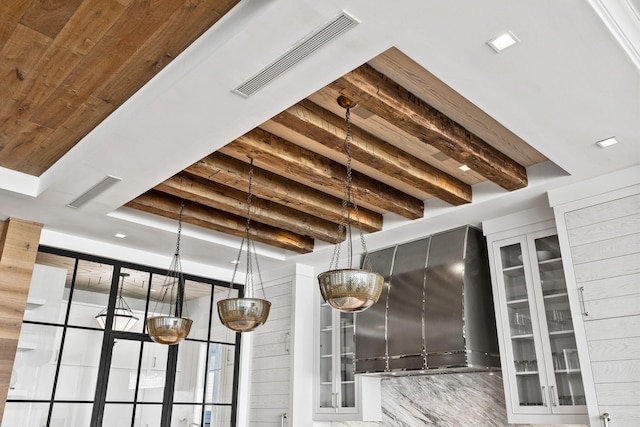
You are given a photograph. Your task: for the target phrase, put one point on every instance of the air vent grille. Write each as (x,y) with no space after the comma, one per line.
(94,191)
(297,53)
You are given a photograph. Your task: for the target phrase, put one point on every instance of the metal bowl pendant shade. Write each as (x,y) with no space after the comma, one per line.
(246,313)
(172,328)
(350,289)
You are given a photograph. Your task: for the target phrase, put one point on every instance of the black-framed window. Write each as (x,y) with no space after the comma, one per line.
(70,371)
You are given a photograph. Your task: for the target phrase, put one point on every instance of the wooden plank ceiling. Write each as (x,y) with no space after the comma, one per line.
(66,65)
(411,135)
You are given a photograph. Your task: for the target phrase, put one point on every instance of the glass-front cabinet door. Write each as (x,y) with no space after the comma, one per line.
(336,389)
(541,365)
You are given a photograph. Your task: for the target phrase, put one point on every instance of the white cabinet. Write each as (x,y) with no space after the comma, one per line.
(541,370)
(339,392)
(336,386)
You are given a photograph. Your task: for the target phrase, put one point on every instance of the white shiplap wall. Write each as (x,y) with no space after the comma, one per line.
(599,225)
(271,358)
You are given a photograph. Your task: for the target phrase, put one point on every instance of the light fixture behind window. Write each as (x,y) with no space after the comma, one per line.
(123,317)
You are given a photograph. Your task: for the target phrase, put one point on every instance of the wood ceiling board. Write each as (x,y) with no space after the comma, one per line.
(223,169)
(284,158)
(416,79)
(101,54)
(394,103)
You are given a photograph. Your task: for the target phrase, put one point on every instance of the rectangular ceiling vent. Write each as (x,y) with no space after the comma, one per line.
(297,53)
(94,191)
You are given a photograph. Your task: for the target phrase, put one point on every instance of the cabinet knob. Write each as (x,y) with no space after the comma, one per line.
(606,418)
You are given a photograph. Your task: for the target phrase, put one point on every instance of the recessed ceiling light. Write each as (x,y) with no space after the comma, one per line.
(503,41)
(607,142)
(464,168)
(120,235)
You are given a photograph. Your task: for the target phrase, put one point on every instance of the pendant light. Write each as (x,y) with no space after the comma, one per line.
(123,317)
(349,289)
(247,313)
(173,328)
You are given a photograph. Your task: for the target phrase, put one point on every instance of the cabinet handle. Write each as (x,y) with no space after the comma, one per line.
(552,393)
(334,400)
(582,306)
(606,418)
(544,396)
(282,418)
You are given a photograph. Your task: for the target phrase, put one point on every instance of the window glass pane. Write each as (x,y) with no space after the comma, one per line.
(90,293)
(190,372)
(79,365)
(52,274)
(147,415)
(71,415)
(220,373)
(133,288)
(25,414)
(186,415)
(218,416)
(35,362)
(219,332)
(197,307)
(117,415)
(123,374)
(153,372)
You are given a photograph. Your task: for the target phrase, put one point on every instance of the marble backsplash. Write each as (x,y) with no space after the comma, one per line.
(452,400)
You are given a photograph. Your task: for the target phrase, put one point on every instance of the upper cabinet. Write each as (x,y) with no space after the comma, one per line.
(541,369)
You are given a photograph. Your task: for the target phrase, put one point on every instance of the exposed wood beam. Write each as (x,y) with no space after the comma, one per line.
(393,103)
(167,206)
(313,121)
(227,199)
(279,156)
(234,173)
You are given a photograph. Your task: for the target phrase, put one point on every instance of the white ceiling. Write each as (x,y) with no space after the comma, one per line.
(573,79)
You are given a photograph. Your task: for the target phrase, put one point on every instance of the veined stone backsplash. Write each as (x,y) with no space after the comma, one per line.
(451,400)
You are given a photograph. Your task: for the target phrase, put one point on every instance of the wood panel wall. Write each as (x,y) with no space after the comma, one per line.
(605,249)
(18,249)
(271,359)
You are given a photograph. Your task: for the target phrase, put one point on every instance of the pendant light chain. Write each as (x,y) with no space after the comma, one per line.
(250,247)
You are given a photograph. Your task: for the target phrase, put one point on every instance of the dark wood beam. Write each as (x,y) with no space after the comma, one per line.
(158,203)
(234,173)
(393,103)
(227,199)
(284,158)
(316,123)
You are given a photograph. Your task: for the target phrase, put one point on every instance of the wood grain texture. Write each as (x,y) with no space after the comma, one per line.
(604,230)
(615,327)
(616,371)
(194,188)
(222,169)
(284,158)
(18,249)
(602,212)
(389,100)
(610,267)
(306,118)
(614,349)
(625,305)
(608,248)
(618,394)
(168,206)
(611,287)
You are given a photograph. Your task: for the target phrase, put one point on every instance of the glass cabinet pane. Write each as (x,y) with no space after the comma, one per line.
(564,353)
(520,326)
(326,357)
(347,391)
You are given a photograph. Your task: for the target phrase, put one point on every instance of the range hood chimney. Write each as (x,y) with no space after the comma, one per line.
(435,314)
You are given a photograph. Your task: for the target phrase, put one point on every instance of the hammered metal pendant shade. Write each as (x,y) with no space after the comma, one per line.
(173,328)
(243,314)
(349,290)
(168,329)
(247,313)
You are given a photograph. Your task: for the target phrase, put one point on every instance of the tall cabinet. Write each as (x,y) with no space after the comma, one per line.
(541,369)
(340,395)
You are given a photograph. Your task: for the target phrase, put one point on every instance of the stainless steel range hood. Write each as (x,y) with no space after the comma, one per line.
(435,314)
